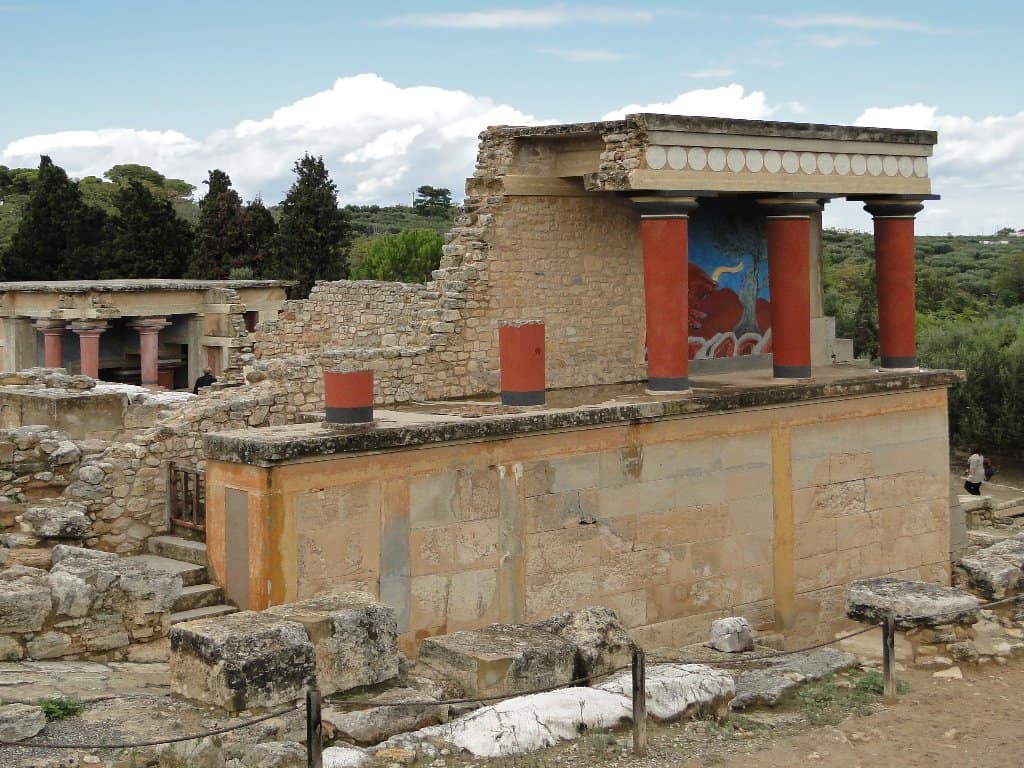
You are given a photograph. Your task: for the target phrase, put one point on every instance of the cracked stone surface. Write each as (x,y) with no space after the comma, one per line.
(783,675)
(914,603)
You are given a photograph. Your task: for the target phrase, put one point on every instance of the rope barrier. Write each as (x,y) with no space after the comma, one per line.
(355,706)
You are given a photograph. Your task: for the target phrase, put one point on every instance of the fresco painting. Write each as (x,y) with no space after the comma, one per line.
(730,302)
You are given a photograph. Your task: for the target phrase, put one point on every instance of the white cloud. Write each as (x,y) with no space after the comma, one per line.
(534,18)
(379,140)
(839,41)
(851,21)
(712,74)
(727,101)
(978,168)
(583,54)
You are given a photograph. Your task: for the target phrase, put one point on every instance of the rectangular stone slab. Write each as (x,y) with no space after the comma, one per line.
(245,660)
(355,638)
(500,659)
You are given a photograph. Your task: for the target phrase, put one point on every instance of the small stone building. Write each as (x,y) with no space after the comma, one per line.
(707,448)
(135,331)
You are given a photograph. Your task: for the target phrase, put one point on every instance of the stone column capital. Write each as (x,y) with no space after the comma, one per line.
(789,207)
(152,324)
(50,326)
(664,205)
(903,207)
(89,327)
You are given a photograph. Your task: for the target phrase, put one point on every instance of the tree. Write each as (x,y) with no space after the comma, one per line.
(408,256)
(259,237)
(58,236)
(148,239)
(312,231)
(433,201)
(221,233)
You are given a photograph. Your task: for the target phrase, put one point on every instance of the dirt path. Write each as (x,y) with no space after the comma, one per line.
(977,722)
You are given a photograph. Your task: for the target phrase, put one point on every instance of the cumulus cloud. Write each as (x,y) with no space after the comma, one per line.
(379,140)
(727,101)
(978,168)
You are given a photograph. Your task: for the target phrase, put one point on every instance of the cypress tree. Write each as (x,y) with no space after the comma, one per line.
(260,228)
(220,236)
(312,232)
(148,239)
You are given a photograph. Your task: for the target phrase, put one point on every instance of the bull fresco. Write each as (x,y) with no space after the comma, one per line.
(729,299)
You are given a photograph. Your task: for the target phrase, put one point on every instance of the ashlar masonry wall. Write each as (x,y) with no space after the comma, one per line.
(765,512)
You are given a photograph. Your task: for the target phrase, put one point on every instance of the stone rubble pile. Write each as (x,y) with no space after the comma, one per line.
(996,571)
(89,603)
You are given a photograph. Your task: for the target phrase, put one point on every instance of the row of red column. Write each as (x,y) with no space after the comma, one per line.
(664,227)
(89,332)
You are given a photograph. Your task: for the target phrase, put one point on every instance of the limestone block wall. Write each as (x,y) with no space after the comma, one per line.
(765,512)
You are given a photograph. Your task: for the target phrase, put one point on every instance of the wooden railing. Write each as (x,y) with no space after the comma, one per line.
(186,496)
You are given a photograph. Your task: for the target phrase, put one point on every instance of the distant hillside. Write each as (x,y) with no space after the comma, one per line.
(371,220)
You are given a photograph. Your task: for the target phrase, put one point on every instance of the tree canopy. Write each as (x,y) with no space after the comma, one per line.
(147,239)
(435,202)
(408,256)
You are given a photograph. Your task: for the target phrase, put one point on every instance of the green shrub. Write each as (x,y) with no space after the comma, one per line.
(59,707)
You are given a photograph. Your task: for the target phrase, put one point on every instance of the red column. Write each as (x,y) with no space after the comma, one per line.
(664,235)
(521,355)
(348,396)
(53,342)
(894,268)
(789,278)
(89,345)
(149,347)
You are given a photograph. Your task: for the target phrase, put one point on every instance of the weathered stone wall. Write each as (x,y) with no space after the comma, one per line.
(673,522)
(122,483)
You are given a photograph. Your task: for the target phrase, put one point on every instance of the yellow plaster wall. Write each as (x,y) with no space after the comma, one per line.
(765,513)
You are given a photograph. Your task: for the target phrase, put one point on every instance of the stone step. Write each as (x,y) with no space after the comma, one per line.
(198,596)
(177,548)
(191,574)
(206,612)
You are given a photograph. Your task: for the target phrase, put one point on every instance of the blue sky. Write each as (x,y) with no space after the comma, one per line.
(185,86)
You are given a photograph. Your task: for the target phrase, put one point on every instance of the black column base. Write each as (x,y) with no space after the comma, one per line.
(523,398)
(673,384)
(349,415)
(791,371)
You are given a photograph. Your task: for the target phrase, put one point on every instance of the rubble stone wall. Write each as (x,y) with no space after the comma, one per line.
(672,523)
(122,484)
(571,261)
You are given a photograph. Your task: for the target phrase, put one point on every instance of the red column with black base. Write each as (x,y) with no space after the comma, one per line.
(521,356)
(89,346)
(148,329)
(789,278)
(348,396)
(894,269)
(664,235)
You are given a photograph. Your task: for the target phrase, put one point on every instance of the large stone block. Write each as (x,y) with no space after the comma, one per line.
(354,638)
(500,659)
(241,661)
(913,603)
(66,521)
(24,599)
(602,642)
(20,721)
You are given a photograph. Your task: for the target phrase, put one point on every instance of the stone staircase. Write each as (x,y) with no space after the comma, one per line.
(199,599)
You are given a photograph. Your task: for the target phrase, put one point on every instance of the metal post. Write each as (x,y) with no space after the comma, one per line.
(314,729)
(639,704)
(889,659)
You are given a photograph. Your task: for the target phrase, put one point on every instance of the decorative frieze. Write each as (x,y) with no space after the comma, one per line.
(737,160)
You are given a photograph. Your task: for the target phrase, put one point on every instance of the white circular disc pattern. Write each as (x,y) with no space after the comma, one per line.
(735,160)
(906,166)
(677,158)
(716,159)
(890,165)
(874,165)
(920,166)
(772,161)
(754,160)
(825,163)
(858,164)
(656,157)
(842,164)
(697,158)
(790,162)
(808,162)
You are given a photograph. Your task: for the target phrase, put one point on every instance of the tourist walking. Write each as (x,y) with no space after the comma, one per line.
(975,474)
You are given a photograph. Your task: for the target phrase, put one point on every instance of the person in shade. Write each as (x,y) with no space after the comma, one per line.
(975,474)
(204,381)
